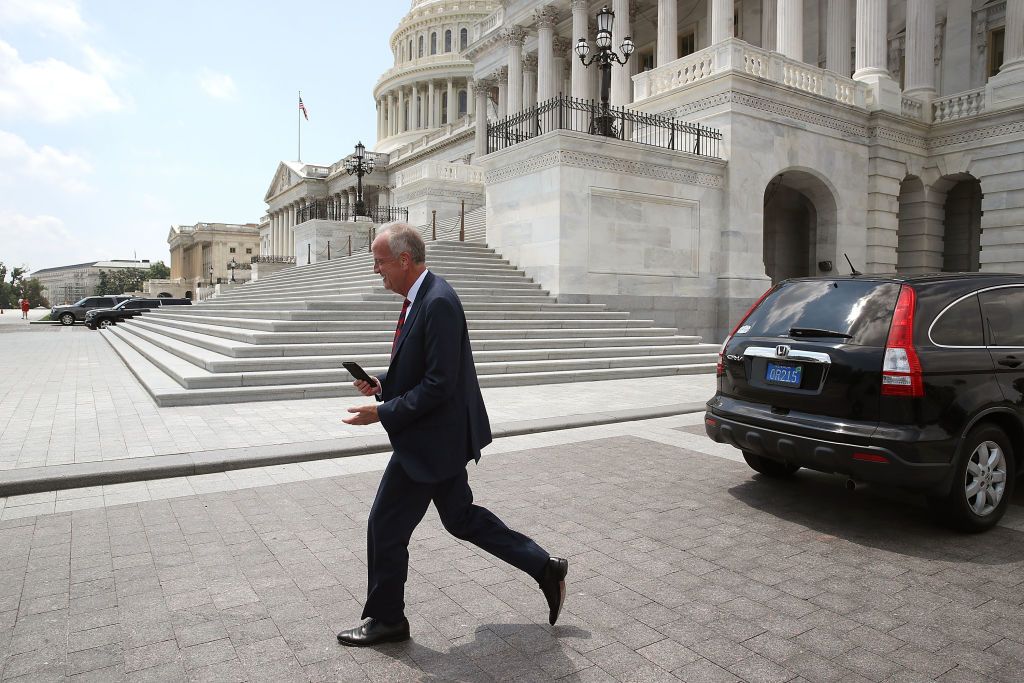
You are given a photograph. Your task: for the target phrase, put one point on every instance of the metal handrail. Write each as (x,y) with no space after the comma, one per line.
(590,116)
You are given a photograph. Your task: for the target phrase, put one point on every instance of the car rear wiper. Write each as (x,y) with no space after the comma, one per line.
(815,332)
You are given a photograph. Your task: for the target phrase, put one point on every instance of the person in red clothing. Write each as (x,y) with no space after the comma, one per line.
(24,309)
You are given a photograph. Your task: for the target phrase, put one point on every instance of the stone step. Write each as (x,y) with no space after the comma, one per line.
(160,384)
(333,321)
(217,362)
(381,344)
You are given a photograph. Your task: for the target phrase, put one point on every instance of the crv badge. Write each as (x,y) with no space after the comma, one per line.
(781,350)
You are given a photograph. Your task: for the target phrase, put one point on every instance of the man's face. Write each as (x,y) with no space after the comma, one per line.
(390,268)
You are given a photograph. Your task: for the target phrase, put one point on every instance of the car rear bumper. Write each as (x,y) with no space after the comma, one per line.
(874,462)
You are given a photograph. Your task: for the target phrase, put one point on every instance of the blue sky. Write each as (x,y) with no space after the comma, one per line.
(119,119)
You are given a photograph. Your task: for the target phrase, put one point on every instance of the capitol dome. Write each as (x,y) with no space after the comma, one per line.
(428,86)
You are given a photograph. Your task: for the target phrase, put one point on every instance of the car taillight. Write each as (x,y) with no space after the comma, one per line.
(901,368)
(720,367)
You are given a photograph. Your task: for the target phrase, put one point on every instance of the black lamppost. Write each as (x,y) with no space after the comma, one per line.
(359,165)
(232,264)
(605,56)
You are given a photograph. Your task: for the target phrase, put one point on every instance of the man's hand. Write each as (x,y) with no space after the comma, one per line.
(364,415)
(367,389)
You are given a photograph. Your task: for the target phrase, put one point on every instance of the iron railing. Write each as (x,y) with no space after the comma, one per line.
(590,116)
(327,210)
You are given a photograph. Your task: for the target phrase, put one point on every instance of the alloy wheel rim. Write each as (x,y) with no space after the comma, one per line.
(104,323)
(985,478)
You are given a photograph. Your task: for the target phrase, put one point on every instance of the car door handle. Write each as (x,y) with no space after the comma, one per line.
(1009,361)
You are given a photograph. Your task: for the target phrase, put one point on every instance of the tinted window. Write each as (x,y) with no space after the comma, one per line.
(1003,311)
(95,301)
(960,325)
(861,309)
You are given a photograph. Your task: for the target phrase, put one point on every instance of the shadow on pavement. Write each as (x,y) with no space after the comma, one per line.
(876,517)
(497,651)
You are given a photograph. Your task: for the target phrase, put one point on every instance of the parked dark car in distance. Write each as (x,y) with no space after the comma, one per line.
(913,381)
(104,317)
(71,313)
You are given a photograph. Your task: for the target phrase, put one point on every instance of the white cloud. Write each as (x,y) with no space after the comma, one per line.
(18,159)
(217,85)
(52,16)
(52,90)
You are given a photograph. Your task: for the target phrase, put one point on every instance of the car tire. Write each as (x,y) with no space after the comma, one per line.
(769,467)
(67,319)
(104,324)
(983,479)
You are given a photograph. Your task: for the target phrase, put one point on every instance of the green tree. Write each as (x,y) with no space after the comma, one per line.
(32,289)
(121,280)
(103,286)
(158,271)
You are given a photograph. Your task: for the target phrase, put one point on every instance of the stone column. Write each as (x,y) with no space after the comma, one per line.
(470,97)
(529,81)
(871,39)
(668,32)
(837,41)
(403,120)
(769,12)
(501,76)
(789,28)
(480,89)
(1013,39)
(415,109)
(431,106)
(721,20)
(919,80)
(622,84)
(453,105)
(580,78)
(514,37)
(562,50)
(546,19)
(392,124)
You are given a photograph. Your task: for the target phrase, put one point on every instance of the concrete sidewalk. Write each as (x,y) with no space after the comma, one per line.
(72,415)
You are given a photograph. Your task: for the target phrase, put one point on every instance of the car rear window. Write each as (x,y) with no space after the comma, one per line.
(859,308)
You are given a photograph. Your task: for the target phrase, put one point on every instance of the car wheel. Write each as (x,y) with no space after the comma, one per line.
(67,319)
(769,467)
(982,481)
(106,323)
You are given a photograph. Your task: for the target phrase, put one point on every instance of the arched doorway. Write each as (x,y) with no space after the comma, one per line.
(799,226)
(939,225)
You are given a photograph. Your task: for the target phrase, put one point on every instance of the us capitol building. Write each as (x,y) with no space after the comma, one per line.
(744,142)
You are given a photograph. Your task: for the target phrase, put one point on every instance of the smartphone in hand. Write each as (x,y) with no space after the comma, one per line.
(357,372)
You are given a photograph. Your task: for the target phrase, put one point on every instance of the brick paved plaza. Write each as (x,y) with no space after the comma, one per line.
(683,565)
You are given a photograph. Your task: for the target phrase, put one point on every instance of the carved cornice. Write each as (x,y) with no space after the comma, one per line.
(975,135)
(877,133)
(431,190)
(602,162)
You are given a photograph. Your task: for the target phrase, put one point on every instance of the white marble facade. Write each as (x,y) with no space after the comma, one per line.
(885,131)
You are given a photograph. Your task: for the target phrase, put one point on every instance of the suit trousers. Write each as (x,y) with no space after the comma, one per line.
(399,507)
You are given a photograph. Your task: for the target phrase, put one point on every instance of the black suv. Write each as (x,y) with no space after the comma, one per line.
(104,317)
(915,381)
(67,315)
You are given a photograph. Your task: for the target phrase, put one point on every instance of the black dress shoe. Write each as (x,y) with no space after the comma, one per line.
(553,585)
(373,632)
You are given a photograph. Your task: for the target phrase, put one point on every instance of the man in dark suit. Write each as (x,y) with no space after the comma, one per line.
(433,411)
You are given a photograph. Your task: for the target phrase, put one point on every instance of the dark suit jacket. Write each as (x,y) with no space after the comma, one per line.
(431,406)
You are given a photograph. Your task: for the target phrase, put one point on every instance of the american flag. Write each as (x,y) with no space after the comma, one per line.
(303,108)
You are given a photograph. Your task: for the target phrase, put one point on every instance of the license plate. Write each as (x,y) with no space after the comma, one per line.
(786,375)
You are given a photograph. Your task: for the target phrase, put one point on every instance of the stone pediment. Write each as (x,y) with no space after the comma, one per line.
(283,179)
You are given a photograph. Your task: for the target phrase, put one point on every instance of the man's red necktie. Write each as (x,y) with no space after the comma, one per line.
(398,329)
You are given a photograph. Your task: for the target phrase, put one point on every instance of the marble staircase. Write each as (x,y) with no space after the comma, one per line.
(286,335)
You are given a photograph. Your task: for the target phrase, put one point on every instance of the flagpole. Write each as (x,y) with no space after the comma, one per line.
(299,112)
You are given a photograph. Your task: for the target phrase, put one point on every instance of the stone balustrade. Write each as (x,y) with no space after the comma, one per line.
(912,109)
(489,24)
(439,170)
(737,56)
(958,106)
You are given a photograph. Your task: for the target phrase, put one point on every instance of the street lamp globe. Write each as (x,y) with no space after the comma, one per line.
(605,21)
(360,149)
(582,48)
(627,46)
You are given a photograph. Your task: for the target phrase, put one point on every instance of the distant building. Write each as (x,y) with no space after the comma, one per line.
(195,249)
(68,284)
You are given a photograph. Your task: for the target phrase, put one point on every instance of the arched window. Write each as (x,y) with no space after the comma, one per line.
(433,43)
(409,56)
(420,52)
(448,40)
(462,103)
(444,107)
(463,38)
